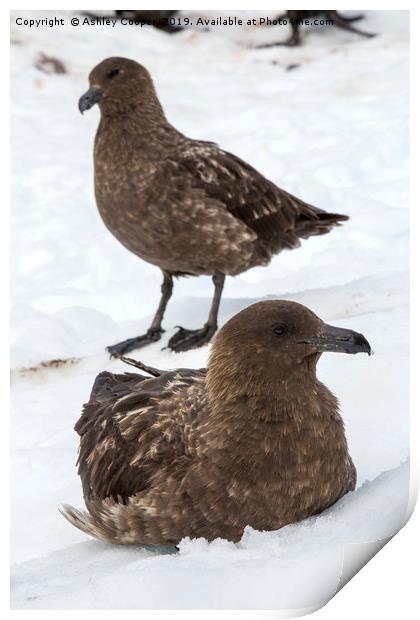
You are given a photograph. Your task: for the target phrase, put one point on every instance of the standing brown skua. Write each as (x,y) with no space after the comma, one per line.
(256,439)
(186,206)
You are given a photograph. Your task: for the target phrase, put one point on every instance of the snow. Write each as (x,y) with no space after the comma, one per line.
(333,131)
(265,570)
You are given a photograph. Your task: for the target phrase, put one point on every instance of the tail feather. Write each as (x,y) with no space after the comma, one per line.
(102,521)
(322,214)
(112,522)
(332,218)
(318,222)
(81,520)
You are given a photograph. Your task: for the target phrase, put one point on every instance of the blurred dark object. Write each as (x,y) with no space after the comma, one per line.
(296,17)
(158,19)
(48,64)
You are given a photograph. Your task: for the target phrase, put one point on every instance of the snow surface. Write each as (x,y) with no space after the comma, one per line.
(333,131)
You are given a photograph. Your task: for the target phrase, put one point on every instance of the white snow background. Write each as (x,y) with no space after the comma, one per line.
(334,132)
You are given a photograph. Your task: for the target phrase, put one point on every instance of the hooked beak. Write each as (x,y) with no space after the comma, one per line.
(339,340)
(89,99)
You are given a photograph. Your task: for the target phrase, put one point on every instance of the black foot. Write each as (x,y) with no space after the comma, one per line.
(152,335)
(186,339)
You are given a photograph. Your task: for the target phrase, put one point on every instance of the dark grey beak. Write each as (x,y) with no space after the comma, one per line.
(89,99)
(339,340)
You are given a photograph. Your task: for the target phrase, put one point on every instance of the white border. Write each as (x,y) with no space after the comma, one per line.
(387,586)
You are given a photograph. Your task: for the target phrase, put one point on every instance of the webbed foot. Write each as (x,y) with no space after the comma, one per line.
(152,335)
(186,339)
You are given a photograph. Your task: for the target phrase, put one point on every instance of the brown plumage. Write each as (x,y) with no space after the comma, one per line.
(253,440)
(186,206)
(296,19)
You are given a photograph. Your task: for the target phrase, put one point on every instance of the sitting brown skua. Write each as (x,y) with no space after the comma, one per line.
(184,205)
(256,439)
